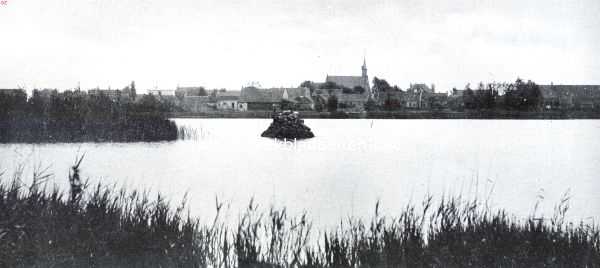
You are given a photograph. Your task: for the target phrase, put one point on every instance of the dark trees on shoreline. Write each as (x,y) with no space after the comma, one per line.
(518,96)
(74,116)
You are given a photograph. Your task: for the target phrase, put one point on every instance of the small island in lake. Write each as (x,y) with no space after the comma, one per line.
(288,125)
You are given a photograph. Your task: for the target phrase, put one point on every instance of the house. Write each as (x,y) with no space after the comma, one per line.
(581,97)
(114,94)
(183,92)
(351,102)
(304,103)
(416,96)
(110,93)
(437,100)
(46,92)
(421,88)
(196,104)
(162,92)
(420,96)
(413,100)
(126,94)
(267,99)
(391,99)
(253,99)
(458,93)
(228,101)
(348,102)
(455,100)
(300,98)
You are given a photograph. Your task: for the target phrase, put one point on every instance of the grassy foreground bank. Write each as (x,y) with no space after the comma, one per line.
(107,227)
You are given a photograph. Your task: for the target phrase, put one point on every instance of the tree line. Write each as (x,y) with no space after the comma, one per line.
(517,96)
(75,116)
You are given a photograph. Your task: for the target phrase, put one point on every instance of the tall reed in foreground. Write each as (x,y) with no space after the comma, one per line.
(98,226)
(187,133)
(102,226)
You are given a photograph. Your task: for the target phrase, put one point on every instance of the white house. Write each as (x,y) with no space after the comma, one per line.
(162,92)
(228,101)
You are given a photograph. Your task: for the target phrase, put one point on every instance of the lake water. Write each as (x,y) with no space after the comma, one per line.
(348,166)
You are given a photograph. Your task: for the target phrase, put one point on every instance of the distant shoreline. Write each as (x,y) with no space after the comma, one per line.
(487,115)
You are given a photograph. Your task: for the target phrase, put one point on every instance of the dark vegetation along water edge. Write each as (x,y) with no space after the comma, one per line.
(76,117)
(442,114)
(103,226)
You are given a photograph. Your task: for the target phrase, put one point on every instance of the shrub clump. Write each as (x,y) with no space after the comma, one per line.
(288,125)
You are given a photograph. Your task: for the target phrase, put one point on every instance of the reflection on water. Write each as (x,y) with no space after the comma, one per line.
(349,165)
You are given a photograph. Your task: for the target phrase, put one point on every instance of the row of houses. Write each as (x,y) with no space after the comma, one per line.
(246,99)
(253,98)
(580,97)
(416,96)
(301,98)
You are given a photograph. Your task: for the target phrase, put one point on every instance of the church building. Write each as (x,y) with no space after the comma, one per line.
(352,82)
(351,101)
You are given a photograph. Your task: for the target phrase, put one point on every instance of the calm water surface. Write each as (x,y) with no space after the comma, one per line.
(348,166)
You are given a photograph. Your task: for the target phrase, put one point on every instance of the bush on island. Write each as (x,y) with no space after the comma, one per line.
(288,125)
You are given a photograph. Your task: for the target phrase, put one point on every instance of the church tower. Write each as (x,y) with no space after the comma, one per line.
(364,70)
(365,77)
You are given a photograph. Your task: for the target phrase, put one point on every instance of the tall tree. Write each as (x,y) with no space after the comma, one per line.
(132,93)
(332,103)
(370,105)
(319,104)
(523,96)
(310,85)
(469,98)
(381,85)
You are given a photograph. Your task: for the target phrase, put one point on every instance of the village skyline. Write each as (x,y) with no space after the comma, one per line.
(55,44)
(145,89)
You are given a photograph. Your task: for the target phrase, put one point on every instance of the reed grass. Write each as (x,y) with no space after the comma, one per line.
(102,226)
(187,133)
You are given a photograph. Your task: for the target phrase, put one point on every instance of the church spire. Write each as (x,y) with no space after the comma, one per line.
(364,67)
(365,77)
(364,62)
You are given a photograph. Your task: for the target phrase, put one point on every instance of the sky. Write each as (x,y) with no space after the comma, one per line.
(229,44)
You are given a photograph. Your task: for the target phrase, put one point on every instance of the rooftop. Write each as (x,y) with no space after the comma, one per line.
(549,91)
(345,81)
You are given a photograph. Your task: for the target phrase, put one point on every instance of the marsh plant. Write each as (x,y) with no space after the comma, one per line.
(102,226)
(187,133)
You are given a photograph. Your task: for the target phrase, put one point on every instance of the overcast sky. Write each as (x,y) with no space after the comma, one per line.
(227,44)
